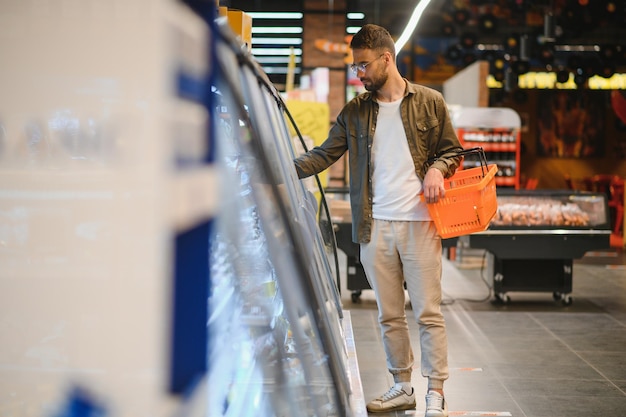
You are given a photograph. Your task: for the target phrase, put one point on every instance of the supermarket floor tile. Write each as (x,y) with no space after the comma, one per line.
(530,357)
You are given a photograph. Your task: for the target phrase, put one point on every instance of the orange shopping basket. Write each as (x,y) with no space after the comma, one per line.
(470,201)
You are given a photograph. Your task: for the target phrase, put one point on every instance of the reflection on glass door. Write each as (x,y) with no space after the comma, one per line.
(276,344)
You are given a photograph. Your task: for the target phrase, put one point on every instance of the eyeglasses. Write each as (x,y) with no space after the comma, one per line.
(355,68)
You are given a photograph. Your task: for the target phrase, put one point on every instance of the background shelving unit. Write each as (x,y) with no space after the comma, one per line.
(497,131)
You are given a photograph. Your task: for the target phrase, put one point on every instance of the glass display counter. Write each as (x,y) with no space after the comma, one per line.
(535,236)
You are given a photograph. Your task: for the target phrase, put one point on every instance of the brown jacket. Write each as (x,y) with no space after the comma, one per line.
(429,132)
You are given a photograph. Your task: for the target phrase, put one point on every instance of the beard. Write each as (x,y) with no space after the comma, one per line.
(375,82)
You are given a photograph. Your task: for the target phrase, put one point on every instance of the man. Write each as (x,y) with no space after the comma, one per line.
(390,132)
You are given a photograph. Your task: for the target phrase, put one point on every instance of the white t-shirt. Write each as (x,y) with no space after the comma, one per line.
(396,186)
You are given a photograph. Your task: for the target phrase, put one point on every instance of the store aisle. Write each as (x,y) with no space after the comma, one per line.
(532,357)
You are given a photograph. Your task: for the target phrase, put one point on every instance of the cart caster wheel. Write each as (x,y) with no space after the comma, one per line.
(502,298)
(356,296)
(567,300)
(557,296)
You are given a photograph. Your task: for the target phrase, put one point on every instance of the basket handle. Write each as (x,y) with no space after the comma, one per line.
(469,151)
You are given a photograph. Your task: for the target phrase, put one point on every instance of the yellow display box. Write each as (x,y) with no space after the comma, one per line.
(241,24)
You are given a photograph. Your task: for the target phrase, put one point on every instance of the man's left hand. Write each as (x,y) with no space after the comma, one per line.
(432,186)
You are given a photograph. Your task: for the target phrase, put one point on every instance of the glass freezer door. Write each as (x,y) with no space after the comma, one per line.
(276,346)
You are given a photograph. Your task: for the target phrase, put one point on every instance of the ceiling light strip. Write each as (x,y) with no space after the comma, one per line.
(355,16)
(276,29)
(276,41)
(275,15)
(275,51)
(410,27)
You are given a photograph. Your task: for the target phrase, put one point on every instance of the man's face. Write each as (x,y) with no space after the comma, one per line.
(372,70)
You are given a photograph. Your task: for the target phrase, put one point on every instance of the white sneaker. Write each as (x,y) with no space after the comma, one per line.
(394,399)
(436,405)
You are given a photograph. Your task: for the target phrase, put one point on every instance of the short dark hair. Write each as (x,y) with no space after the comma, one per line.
(373,37)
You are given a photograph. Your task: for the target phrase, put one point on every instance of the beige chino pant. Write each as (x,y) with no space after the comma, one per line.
(408,251)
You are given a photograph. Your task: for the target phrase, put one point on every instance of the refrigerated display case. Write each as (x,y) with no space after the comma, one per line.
(535,237)
(133,197)
(275,326)
(497,131)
